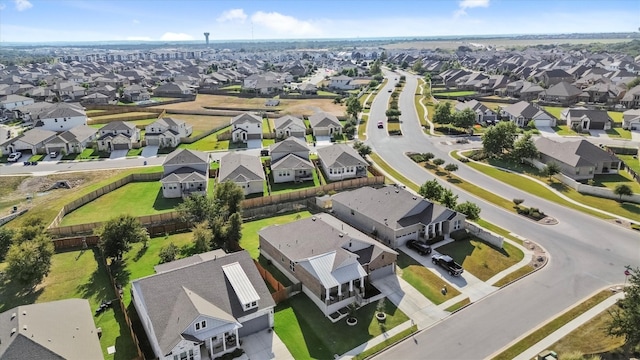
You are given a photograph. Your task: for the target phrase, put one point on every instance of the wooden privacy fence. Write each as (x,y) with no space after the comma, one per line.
(281,292)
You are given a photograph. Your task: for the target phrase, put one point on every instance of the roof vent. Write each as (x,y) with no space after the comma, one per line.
(13,316)
(341,235)
(24,312)
(13,331)
(313,218)
(24,328)
(414,198)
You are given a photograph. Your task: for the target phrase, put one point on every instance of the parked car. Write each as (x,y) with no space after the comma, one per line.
(14,157)
(264,152)
(380,125)
(53,154)
(447,263)
(420,247)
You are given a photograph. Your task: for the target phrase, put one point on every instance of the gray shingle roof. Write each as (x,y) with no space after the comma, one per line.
(340,155)
(595,116)
(35,136)
(240,167)
(246,117)
(291,161)
(175,298)
(323,119)
(562,88)
(118,126)
(288,146)
(288,120)
(186,157)
(573,153)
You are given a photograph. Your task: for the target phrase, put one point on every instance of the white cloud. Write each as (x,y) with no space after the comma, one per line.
(138,38)
(135,21)
(284,24)
(469,4)
(170,36)
(231,15)
(22,5)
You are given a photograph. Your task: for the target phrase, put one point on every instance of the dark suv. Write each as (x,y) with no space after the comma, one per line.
(420,247)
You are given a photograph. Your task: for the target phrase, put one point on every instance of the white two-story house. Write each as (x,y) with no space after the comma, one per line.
(167,132)
(118,135)
(246,127)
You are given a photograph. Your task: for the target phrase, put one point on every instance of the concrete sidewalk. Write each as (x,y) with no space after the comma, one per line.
(569,327)
(377,340)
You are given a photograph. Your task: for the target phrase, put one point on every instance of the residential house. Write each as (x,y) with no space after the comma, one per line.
(341,82)
(95,99)
(133,93)
(54,117)
(341,161)
(167,132)
(530,91)
(246,127)
(31,140)
(118,135)
(484,115)
(586,119)
(631,120)
(288,125)
(395,215)
(244,170)
(332,260)
(72,141)
(605,93)
(290,161)
(562,93)
(262,84)
(324,124)
(521,113)
(308,89)
(579,160)
(62,329)
(9,102)
(201,307)
(185,172)
(178,90)
(555,76)
(69,91)
(631,99)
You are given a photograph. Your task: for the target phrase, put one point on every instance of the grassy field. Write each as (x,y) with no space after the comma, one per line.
(552,326)
(208,143)
(494,42)
(136,198)
(619,132)
(201,123)
(610,181)
(250,241)
(308,334)
(481,259)
(78,274)
(590,338)
(287,106)
(423,280)
(114,117)
(456,93)
(48,205)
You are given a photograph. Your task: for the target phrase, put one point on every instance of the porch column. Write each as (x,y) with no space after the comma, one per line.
(440,228)
(339,291)
(326,294)
(211,347)
(350,286)
(237,340)
(224,341)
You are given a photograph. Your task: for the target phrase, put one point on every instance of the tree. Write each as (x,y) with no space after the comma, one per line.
(202,237)
(551,169)
(443,113)
(353,106)
(229,195)
(471,210)
(362,149)
(431,190)
(6,239)
(464,119)
(428,156)
(417,66)
(449,168)
(438,162)
(31,227)
(29,262)
(499,139)
(524,148)
(117,235)
(449,199)
(168,253)
(518,202)
(233,231)
(196,208)
(622,190)
(375,68)
(633,83)
(626,317)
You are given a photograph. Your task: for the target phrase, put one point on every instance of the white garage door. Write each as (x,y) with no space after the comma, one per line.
(543,123)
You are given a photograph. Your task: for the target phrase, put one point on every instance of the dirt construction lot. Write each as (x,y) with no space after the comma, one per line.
(287,106)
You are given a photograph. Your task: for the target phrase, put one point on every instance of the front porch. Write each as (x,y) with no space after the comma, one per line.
(216,346)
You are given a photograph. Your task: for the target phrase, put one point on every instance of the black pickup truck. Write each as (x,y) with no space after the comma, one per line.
(447,263)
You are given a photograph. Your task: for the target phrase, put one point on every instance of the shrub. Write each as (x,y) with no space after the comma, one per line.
(518,201)
(168,253)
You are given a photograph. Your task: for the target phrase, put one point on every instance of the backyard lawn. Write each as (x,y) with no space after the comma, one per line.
(209,142)
(481,259)
(280,188)
(249,240)
(423,280)
(115,117)
(610,181)
(308,334)
(456,93)
(135,198)
(78,274)
(633,163)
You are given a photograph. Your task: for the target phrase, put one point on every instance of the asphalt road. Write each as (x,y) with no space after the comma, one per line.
(586,253)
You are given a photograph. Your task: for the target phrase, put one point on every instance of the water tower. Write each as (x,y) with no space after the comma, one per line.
(206,37)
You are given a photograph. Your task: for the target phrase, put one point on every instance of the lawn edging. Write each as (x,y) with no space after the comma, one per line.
(387,343)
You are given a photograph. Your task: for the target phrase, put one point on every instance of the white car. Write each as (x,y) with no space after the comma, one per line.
(14,157)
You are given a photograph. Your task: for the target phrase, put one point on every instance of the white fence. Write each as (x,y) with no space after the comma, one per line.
(486,235)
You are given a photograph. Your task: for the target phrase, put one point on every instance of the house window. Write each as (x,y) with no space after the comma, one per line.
(353,212)
(457,224)
(292,266)
(201,325)
(253,304)
(55,120)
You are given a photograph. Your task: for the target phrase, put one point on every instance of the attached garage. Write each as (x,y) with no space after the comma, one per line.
(121,147)
(254,325)
(379,273)
(544,122)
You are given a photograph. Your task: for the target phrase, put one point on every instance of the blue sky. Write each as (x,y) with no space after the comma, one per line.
(170,20)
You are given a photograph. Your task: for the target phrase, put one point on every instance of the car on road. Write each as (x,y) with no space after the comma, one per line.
(446,262)
(420,247)
(14,157)
(390,90)
(380,124)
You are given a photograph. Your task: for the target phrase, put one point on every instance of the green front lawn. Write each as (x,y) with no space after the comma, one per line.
(36,157)
(308,334)
(619,132)
(87,154)
(564,130)
(267,142)
(481,259)
(633,163)
(250,241)
(134,152)
(514,275)
(423,280)
(78,274)
(136,198)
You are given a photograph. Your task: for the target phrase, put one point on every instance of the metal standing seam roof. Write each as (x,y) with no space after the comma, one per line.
(240,282)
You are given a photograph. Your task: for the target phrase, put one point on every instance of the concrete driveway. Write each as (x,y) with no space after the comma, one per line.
(118,154)
(635,135)
(547,131)
(323,141)
(149,151)
(265,345)
(601,134)
(254,144)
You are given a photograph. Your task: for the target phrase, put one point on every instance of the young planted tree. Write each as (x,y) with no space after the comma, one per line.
(517,202)
(117,235)
(428,156)
(233,231)
(202,237)
(438,162)
(551,169)
(431,190)
(622,190)
(361,148)
(449,168)
(353,106)
(168,253)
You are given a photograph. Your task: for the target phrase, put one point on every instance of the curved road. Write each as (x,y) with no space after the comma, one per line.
(586,253)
